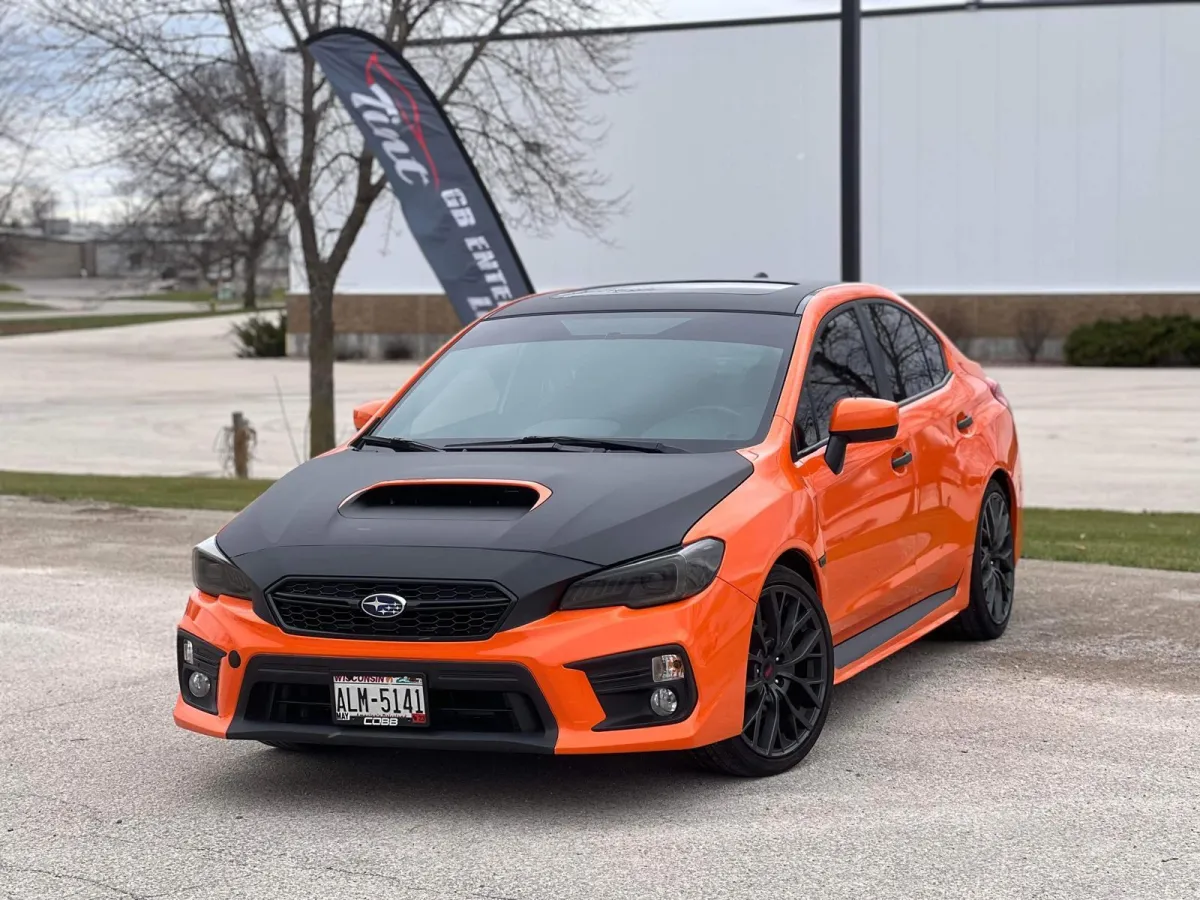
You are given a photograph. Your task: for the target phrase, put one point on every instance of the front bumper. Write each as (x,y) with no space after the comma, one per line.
(516,691)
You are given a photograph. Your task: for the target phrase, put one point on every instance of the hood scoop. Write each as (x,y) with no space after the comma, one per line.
(452,498)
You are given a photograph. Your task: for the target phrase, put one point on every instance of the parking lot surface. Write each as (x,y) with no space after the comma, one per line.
(152,400)
(1062,761)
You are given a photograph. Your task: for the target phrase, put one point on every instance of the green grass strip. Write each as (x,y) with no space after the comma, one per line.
(147,490)
(1146,540)
(73,323)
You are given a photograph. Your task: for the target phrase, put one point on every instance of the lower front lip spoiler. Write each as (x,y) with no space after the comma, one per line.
(472,706)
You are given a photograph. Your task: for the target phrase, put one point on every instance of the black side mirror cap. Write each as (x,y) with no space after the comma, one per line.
(835,453)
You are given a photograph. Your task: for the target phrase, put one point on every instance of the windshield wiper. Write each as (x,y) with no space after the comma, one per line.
(555,442)
(399,444)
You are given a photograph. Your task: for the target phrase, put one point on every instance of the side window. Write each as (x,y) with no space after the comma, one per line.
(886,322)
(903,352)
(839,367)
(934,354)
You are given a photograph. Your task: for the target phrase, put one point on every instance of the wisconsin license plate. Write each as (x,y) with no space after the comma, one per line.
(387,701)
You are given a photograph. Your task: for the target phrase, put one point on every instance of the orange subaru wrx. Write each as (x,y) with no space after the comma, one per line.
(640,517)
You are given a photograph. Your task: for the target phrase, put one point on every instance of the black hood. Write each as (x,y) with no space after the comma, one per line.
(604,507)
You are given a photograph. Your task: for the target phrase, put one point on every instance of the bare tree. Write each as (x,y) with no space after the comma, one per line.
(14,145)
(165,226)
(184,172)
(11,81)
(11,251)
(11,188)
(521,105)
(1034,326)
(42,205)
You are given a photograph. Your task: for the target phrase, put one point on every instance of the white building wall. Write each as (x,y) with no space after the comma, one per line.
(1003,150)
(1052,149)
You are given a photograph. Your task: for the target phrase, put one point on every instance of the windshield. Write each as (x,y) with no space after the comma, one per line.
(699,381)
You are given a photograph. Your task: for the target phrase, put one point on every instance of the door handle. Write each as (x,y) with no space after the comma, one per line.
(899,462)
(965,421)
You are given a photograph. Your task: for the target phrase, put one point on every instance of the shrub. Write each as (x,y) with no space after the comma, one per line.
(396,349)
(956,325)
(348,352)
(1148,341)
(260,336)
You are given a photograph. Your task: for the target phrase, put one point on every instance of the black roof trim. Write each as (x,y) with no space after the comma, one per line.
(683,283)
(807,297)
(788,300)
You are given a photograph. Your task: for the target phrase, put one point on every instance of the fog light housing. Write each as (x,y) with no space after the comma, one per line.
(664,702)
(667,667)
(199,685)
(199,671)
(630,689)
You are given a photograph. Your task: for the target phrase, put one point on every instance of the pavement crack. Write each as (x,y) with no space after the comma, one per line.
(94,882)
(222,854)
(93,811)
(174,892)
(149,678)
(389,878)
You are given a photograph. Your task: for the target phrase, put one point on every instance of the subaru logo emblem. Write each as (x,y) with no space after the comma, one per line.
(384,606)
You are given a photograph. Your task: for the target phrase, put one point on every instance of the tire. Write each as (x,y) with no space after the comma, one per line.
(993,572)
(785,713)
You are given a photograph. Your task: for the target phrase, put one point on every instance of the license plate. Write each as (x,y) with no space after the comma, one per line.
(387,701)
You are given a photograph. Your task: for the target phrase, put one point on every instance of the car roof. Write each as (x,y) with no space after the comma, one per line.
(760,296)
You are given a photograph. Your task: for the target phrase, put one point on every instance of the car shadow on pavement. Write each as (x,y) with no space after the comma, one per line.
(914,670)
(471,784)
(462,784)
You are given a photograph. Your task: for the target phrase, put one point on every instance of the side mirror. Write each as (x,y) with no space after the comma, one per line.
(859,420)
(364,413)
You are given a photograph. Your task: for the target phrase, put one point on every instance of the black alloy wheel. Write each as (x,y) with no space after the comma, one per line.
(789,682)
(997,569)
(993,572)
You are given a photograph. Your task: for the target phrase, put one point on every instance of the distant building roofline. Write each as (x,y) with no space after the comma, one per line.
(825,10)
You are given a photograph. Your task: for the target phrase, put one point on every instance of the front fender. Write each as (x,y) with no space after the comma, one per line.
(769,514)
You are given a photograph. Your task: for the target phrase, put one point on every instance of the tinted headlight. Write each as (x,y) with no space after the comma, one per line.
(648,582)
(213,573)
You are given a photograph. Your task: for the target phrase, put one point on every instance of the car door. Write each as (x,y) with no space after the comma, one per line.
(916,372)
(865,510)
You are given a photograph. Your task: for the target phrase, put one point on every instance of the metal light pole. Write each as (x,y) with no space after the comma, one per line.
(851,140)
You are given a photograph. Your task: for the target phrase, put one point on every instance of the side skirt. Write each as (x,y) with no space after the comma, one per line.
(883,639)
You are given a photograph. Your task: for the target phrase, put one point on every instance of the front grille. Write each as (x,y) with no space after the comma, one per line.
(435,611)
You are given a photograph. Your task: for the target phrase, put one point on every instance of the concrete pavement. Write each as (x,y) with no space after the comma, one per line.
(1108,438)
(152,399)
(1061,761)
